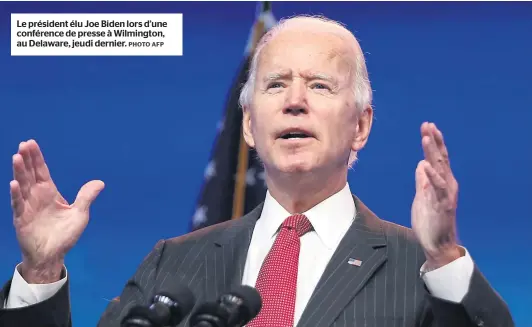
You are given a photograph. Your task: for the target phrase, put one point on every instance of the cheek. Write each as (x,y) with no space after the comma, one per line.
(259,127)
(341,128)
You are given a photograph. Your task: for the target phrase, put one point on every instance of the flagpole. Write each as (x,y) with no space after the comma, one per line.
(239,195)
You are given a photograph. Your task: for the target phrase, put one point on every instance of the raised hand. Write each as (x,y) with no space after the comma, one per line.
(435,203)
(47,227)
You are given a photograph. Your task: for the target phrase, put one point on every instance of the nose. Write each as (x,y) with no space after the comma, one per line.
(296,99)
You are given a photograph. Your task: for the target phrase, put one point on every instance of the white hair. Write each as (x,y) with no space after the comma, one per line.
(361,85)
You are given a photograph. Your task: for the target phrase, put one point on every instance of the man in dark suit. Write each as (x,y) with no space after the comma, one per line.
(317,255)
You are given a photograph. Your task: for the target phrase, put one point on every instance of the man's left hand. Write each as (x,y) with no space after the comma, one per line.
(434,206)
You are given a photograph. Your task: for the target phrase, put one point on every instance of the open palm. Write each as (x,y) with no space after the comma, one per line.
(47,226)
(435,203)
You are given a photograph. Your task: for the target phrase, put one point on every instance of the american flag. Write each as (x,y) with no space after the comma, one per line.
(354,262)
(234,178)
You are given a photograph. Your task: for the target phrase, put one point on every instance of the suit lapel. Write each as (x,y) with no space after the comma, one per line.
(341,281)
(225,263)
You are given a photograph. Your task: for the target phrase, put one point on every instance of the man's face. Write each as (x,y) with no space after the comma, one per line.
(303,116)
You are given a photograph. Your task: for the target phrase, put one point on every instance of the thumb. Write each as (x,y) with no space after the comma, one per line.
(87,194)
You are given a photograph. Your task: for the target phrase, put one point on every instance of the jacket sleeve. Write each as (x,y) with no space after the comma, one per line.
(55,311)
(481,306)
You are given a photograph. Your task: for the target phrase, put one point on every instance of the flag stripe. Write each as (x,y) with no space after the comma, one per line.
(240,187)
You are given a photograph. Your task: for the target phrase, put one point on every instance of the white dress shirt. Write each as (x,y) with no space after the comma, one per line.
(331,219)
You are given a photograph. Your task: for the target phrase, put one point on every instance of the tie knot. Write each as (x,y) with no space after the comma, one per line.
(298,222)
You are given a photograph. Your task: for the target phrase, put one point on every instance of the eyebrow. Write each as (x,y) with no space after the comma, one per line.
(277,75)
(322,76)
(310,76)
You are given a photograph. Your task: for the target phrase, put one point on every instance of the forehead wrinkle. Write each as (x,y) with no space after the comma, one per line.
(340,53)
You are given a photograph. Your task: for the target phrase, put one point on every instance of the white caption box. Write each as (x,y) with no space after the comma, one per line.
(96,34)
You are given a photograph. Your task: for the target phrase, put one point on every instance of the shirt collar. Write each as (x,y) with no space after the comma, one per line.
(330,218)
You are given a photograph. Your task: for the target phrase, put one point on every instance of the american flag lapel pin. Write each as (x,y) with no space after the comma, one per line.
(354,262)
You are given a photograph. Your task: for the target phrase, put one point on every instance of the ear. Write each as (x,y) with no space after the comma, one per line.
(363,129)
(246,127)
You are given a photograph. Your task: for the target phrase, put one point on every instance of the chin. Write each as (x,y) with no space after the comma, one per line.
(294,165)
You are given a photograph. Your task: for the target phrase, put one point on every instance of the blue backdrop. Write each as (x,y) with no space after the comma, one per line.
(145,126)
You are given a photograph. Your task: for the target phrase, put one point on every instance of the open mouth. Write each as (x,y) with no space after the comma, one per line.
(294,134)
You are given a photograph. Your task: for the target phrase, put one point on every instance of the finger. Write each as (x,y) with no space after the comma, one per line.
(42,174)
(87,194)
(436,181)
(431,152)
(19,174)
(425,129)
(438,138)
(24,150)
(17,201)
(445,167)
(430,149)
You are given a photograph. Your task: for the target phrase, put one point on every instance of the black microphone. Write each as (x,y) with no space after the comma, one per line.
(234,309)
(168,307)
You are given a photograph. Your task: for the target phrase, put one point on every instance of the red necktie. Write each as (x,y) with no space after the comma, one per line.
(277,281)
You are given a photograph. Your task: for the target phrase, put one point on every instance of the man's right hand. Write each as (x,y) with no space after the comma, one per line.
(47,226)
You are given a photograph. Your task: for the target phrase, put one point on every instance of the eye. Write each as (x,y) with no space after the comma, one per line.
(320,86)
(275,85)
